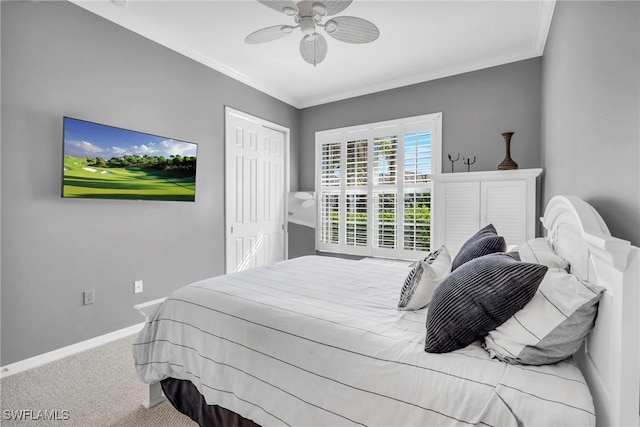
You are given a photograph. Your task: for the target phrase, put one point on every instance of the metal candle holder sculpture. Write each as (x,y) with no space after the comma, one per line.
(468,162)
(453,160)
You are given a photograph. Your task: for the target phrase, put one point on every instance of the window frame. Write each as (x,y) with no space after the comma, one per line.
(399,128)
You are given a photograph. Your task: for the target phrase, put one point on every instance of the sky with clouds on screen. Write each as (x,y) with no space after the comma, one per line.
(82,138)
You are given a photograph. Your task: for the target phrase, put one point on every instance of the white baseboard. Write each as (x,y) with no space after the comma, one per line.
(60,353)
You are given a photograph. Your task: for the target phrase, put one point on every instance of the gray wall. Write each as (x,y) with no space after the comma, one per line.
(58,59)
(591,110)
(476,108)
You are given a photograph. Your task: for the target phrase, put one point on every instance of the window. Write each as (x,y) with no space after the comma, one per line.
(374,187)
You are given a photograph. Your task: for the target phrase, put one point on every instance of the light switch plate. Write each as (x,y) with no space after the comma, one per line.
(137,286)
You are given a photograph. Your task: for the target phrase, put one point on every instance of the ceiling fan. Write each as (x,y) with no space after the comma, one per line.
(308,16)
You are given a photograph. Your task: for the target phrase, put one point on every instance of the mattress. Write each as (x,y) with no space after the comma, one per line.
(318,341)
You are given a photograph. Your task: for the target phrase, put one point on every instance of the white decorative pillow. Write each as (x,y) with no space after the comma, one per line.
(539,251)
(423,279)
(552,326)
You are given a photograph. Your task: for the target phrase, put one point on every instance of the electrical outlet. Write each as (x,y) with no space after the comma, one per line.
(89,297)
(137,286)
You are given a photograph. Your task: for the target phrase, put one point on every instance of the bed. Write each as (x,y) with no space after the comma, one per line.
(320,341)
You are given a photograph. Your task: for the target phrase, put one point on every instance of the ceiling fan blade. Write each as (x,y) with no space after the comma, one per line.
(335,6)
(351,29)
(313,48)
(288,7)
(268,34)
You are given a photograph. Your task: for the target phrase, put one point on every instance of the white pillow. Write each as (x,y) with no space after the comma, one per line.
(423,279)
(539,251)
(552,326)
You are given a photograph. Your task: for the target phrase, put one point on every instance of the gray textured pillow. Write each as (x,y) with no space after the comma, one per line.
(552,326)
(423,279)
(478,297)
(485,241)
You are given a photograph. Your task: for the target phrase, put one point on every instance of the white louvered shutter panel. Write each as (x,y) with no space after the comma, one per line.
(504,204)
(461,202)
(417,188)
(357,163)
(417,220)
(385,220)
(386,159)
(356,192)
(418,155)
(329,209)
(329,218)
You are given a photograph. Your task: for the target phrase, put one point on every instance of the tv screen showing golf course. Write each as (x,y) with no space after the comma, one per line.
(108,162)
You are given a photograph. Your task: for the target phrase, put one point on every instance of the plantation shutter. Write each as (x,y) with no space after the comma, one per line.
(418,149)
(329,218)
(386,163)
(375,189)
(356,191)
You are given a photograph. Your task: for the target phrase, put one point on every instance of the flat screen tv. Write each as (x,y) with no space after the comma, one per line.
(108,162)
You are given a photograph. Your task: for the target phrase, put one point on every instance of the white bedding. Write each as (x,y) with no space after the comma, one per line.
(318,341)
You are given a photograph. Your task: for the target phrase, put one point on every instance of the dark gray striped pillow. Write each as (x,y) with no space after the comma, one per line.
(477,298)
(485,241)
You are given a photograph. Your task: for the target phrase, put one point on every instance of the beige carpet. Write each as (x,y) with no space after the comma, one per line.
(98,387)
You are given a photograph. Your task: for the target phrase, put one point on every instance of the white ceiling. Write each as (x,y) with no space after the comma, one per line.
(419,41)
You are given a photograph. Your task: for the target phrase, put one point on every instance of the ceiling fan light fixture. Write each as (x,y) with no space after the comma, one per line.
(310,38)
(289,11)
(319,9)
(331,26)
(313,48)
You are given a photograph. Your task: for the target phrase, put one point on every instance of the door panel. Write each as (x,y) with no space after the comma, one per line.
(457,214)
(255,194)
(504,204)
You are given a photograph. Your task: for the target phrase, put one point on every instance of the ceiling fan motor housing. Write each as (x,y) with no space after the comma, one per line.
(307,25)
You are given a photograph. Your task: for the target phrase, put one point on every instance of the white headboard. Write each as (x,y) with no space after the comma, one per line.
(610,359)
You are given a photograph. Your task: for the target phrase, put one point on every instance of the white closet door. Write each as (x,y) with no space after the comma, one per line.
(255,193)
(272,187)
